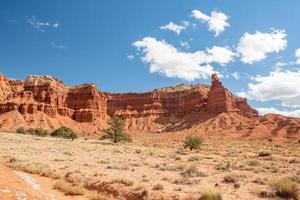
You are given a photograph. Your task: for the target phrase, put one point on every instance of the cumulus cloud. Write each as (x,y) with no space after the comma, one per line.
(292,113)
(217,21)
(220,55)
(165,59)
(175,27)
(255,47)
(278,85)
(297,54)
(41,25)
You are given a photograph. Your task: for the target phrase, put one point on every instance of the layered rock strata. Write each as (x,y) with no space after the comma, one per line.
(45,101)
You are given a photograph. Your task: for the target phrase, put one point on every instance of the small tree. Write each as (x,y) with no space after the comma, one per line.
(21,130)
(115,131)
(193,142)
(64,132)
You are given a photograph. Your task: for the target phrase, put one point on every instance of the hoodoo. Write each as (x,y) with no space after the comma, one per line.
(221,100)
(43,101)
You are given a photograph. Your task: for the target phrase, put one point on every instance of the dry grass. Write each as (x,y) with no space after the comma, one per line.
(144,169)
(285,188)
(210,194)
(98,196)
(68,189)
(158,186)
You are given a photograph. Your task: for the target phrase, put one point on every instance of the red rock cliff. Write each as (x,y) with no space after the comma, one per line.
(43,101)
(222,100)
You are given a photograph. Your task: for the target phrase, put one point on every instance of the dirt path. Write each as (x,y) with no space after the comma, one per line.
(16,185)
(13,187)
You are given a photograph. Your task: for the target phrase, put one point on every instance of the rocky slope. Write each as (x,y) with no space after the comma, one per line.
(43,101)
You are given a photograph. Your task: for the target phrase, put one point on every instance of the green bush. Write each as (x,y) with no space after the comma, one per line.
(193,142)
(38,132)
(64,132)
(115,131)
(21,130)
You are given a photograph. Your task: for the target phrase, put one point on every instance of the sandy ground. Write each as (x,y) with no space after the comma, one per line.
(155,166)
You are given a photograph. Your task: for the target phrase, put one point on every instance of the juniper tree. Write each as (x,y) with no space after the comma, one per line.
(115,131)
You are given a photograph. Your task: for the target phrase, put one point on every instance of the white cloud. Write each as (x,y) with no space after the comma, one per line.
(255,47)
(39,25)
(221,55)
(59,46)
(292,113)
(175,27)
(165,59)
(56,25)
(281,64)
(217,21)
(297,54)
(185,44)
(278,85)
(236,75)
(130,57)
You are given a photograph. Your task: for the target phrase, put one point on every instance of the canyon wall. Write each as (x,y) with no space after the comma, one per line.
(172,108)
(222,100)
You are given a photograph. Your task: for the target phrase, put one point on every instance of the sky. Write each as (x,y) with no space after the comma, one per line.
(139,45)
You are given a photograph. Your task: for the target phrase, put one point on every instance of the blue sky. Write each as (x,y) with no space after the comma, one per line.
(140,45)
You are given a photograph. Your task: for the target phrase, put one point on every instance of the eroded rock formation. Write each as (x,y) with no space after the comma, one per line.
(43,101)
(220,100)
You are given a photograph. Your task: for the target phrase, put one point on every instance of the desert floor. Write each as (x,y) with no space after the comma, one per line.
(153,166)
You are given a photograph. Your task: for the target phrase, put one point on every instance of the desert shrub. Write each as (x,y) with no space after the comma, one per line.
(231,178)
(264,153)
(21,130)
(122,181)
(68,189)
(223,166)
(64,132)
(115,131)
(0,126)
(192,172)
(193,142)
(100,196)
(38,132)
(285,188)
(158,186)
(210,194)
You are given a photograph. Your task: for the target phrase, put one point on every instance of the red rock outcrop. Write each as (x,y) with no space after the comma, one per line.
(43,101)
(8,86)
(220,100)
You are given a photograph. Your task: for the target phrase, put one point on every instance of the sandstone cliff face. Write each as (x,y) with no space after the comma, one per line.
(222,100)
(43,101)
(8,87)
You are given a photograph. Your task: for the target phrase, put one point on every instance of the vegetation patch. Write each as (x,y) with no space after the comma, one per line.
(64,132)
(264,153)
(193,142)
(192,172)
(21,130)
(115,132)
(285,188)
(38,132)
(210,194)
(68,189)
